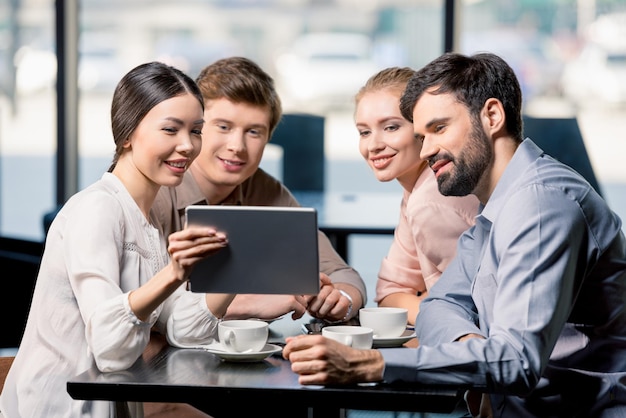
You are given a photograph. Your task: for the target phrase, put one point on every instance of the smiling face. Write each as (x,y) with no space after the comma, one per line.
(386,138)
(233,141)
(457,150)
(165,142)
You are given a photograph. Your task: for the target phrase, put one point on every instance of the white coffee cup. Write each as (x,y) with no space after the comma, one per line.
(387,322)
(351,335)
(243,335)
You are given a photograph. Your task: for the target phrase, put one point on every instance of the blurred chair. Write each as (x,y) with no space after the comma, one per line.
(5,365)
(301,136)
(24,258)
(561,138)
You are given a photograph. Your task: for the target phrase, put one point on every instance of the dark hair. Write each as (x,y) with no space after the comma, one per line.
(472,80)
(141,89)
(241,80)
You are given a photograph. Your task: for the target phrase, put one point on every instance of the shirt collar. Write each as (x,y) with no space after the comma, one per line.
(188,193)
(524,156)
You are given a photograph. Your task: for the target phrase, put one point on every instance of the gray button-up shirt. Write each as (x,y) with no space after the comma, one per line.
(542,275)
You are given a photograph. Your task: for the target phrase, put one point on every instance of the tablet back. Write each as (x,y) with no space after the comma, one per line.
(271,250)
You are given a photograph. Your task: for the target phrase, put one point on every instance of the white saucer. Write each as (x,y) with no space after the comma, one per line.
(393,341)
(267,351)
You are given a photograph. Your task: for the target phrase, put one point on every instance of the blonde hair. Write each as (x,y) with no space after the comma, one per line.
(389,78)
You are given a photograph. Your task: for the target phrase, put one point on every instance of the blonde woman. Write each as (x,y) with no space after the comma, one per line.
(430,223)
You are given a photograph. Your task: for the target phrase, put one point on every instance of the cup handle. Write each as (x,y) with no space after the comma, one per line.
(349,340)
(229,340)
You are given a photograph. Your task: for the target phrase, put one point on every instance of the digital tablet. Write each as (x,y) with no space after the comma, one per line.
(271,250)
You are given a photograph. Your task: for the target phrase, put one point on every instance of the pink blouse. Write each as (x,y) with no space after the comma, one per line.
(425,239)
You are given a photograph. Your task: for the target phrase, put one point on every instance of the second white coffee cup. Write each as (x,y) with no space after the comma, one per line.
(243,335)
(387,322)
(351,335)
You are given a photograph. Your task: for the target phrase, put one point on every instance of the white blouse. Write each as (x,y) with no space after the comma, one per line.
(98,249)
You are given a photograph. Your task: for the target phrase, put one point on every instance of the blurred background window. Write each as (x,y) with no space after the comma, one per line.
(570,56)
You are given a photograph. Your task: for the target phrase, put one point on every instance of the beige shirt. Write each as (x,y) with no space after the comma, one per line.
(261,189)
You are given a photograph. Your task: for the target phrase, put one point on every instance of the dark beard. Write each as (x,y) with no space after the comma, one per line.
(468,167)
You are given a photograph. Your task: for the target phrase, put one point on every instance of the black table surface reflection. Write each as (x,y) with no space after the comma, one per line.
(258,389)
